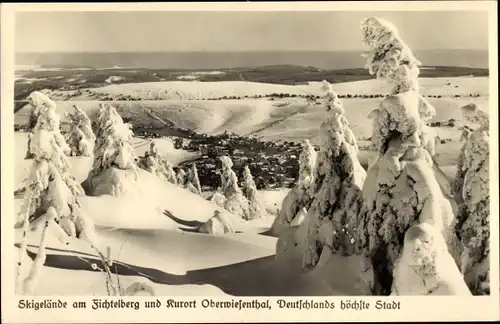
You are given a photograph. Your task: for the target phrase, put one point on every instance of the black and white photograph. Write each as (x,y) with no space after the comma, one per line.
(251,153)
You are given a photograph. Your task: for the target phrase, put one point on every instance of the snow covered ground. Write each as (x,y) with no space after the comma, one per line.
(148,246)
(205,90)
(272,120)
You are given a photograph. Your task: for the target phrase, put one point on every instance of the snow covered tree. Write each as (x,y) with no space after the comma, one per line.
(181,177)
(336,187)
(229,180)
(300,196)
(81,138)
(157,163)
(169,170)
(29,155)
(255,208)
(400,187)
(114,170)
(236,202)
(472,192)
(193,181)
(52,194)
(324,244)
(39,102)
(148,163)
(218,198)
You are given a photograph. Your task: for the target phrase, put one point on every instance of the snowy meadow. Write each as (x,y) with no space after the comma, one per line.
(188,188)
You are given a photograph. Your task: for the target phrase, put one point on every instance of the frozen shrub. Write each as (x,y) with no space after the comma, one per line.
(114,170)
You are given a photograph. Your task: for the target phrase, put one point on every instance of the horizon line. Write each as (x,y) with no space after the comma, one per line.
(234,51)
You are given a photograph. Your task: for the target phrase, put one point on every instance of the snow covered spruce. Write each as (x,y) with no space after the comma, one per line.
(401,188)
(234,201)
(325,240)
(158,164)
(80,138)
(114,170)
(336,187)
(255,207)
(297,201)
(39,102)
(193,181)
(472,192)
(52,195)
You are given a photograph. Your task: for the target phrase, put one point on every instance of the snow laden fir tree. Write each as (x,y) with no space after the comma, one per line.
(230,196)
(81,138)
(193,181)
(114,170)
(39,102)
(325,242)
(294,207)
(400,189)
(255,207)
(52,193)
(158,164)
(336,187)
(472,192)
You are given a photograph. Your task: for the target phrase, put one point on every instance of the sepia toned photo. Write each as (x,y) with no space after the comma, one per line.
(173,154)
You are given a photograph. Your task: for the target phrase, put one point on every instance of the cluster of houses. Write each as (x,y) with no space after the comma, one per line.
(273,165)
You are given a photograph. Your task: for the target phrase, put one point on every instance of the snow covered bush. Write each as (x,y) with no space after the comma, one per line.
(400,187)
(336,186)
(236,202)
(51,198)
(219,224)
(114,170)
(157,163)
(472,192)
(425,267)
(218,198)
(81,138)
(255,208)
(299,198)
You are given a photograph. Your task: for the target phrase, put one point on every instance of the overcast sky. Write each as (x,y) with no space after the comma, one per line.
(238,31)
